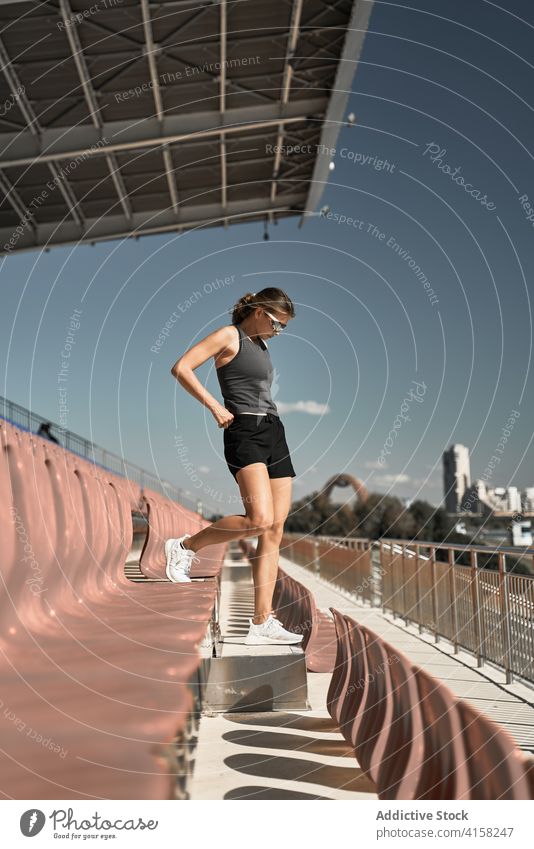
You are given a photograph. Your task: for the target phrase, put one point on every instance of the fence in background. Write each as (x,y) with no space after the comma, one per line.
(447,590)
(25,419)
(345,561)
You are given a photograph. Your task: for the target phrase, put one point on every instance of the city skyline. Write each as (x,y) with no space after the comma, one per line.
(462,493)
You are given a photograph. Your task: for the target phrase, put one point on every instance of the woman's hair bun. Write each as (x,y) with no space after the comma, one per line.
(269,297)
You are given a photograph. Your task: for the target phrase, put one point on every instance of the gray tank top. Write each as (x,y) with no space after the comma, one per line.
(246,380)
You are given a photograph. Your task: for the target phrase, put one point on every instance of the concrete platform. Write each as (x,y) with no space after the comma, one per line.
(251,678)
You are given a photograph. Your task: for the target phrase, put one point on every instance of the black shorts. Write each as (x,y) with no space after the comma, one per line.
(258,439)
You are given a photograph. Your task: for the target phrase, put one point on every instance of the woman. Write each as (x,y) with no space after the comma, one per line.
(255,448)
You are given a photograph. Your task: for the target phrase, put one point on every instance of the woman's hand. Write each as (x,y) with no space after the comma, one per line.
(222,416)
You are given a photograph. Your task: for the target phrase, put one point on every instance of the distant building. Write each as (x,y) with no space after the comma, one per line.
(462,496)
(476,499)
(484,500)
(529,499)
(456,476)
(522,533)
(497,498)
(513,497)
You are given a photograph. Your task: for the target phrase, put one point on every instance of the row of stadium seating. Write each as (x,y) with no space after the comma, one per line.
(99,674)
(410,734)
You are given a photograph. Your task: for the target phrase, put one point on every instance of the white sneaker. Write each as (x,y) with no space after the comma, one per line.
(271,632)
(178,560)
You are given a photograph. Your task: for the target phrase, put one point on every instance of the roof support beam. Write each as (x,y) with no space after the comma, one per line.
(327,7)
(91,100)
(150,52)
(146,223)
(16,201)
(222,107)
(35,132)
(165,51)
(294,32)
(61,143)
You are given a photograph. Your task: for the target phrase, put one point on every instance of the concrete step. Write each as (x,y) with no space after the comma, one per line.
(251,678)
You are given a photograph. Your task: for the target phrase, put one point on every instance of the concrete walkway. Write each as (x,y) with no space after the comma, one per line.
(300,754)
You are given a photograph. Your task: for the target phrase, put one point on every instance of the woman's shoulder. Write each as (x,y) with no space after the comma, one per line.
(226,333)
(229,345)
(231,332)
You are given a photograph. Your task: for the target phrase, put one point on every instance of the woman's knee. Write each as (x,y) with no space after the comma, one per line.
(260,521)
(276,529)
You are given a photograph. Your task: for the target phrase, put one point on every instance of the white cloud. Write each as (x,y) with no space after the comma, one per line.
(313,408)
(374,464)
(391,480)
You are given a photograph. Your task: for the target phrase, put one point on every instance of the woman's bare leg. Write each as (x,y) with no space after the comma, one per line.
(265,561)
(253,482)
(267,503)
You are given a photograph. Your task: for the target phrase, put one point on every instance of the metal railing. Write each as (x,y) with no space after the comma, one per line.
(25,419)
(487,611)
(344,561)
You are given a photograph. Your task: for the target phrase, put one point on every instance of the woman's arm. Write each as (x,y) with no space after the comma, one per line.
(183,371)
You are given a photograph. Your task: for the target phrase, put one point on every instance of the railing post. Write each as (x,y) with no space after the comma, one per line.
(353,546)
(316,560)
(434,592)
(404,605)
(454,612)
(378,591)
(505,617)
(418,590)
(475,595)
(381,555)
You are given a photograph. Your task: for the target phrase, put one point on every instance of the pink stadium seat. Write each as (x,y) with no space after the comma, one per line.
(295,606)
(444,774)
(340,677)
(494,761)
(376,709)
(166,520)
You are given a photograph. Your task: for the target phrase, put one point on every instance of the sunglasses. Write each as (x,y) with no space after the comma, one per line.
(277,325)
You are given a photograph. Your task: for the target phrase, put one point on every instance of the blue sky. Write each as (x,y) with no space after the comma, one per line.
(443,91)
